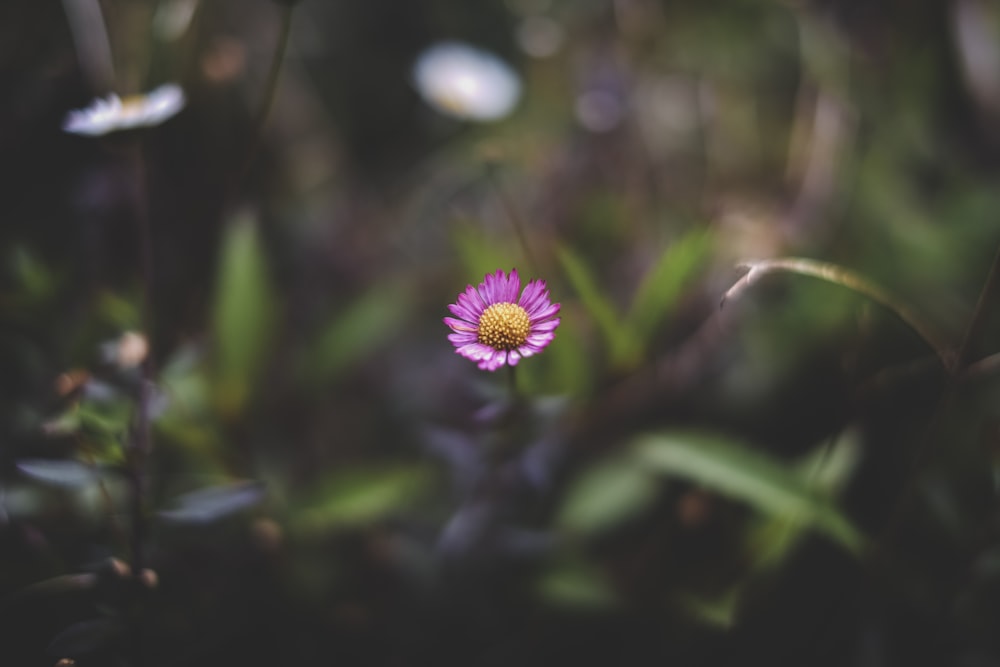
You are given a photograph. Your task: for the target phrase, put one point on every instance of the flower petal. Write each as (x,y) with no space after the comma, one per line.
(513,287)
(531,293)
(461,326)
(547,325)
(475,351)
(545,313)
(460,339)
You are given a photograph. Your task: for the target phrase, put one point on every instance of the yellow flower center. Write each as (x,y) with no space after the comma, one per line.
(503,326)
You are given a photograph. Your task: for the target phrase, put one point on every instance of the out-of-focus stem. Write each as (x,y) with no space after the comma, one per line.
(852,281)
(140,444)
(90,37)
(270,91)
(515,219)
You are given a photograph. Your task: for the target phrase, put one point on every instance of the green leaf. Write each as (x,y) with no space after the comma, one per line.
(577,585)
(718,611)
(745,474)
(64,473)
(214,503)
(602,310)
(664,283)
(361,496)
(353,335)
(244,315)
(481,255)
(605,495)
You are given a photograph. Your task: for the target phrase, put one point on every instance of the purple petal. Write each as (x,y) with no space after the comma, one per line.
(475,351)
(460,339)
(513,357)
(471,303)
(463,309)
(540,302)
(513,287)
(462,326)
(531,293)
(547,325)
(527,351)
(540,340)
(488,288)
(545,313)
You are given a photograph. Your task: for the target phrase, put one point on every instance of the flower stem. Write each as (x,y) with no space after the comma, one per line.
(140,443)
(270,92)
(512,382)
(852,281)
(515,219)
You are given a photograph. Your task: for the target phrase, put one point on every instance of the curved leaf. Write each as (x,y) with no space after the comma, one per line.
(361,496)
(69,474)
(663,283)
(214,503)
(748,475)
(244,314)
(605,495)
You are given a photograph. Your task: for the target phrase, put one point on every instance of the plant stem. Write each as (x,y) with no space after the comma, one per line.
(852,281)
(515,219)
(269,94)
(140,444)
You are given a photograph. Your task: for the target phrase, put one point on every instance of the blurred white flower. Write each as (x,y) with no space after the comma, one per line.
(127,351)
(114,113)
(465,82)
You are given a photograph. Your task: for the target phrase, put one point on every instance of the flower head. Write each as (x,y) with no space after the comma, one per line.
(499,324)
(465,82)
(114,113)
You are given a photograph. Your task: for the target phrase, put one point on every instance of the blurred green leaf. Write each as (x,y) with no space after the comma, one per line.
(829,466)
(36,281)
(214,503)
(118,312)
(479,254)
(664,283)
(576,584)
(718,611)
(593,299)
(605,495)
(59,472)
(360,496)
(353,335)
(751,476)
(244,314)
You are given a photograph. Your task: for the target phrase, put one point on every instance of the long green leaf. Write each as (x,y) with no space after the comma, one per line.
(244,314)
(360,496)
(745,474)
(357,332)
(605,495)
(603,312)
(664,283)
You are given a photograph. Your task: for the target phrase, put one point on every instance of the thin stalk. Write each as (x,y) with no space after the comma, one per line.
(512,382)
(269,94)
(854,282)
(140,444)
(513,216)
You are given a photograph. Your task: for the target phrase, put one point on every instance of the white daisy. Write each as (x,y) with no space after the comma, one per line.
(114,113)
(465,82)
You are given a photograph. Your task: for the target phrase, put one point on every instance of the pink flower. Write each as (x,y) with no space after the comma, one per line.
(494,327)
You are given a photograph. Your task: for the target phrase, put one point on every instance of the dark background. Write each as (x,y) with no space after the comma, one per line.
(375,499)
